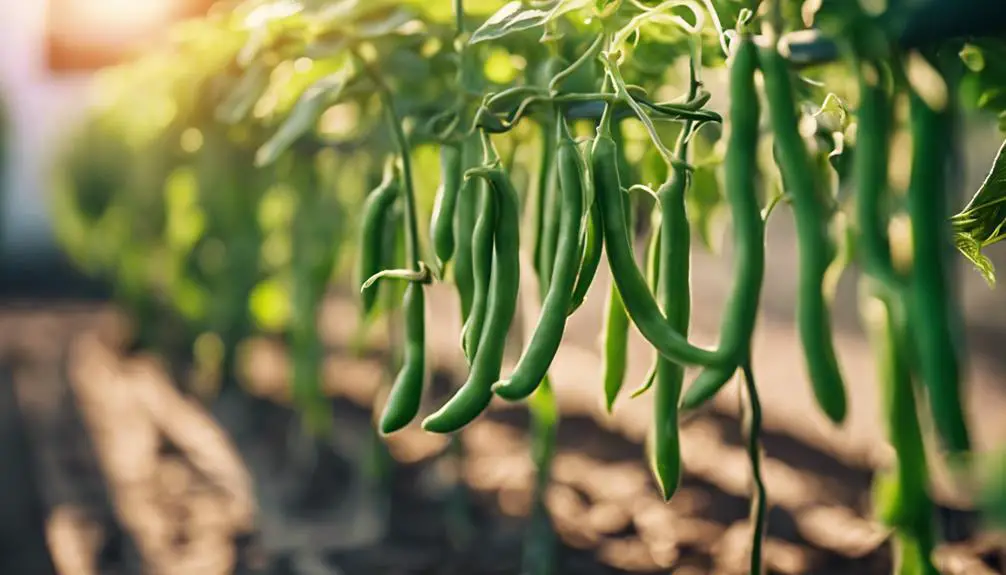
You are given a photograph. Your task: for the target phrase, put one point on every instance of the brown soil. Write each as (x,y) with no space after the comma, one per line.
(135,477)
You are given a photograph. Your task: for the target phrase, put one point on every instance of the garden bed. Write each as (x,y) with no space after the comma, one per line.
(134,474)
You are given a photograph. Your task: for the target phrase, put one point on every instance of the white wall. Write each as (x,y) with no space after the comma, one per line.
(38,105)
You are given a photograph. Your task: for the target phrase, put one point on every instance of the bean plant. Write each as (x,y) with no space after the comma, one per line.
(508,140)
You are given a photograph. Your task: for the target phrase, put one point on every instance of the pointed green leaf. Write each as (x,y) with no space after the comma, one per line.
(242,97)
(972,57)
(985,214)
(982,221)
(304,115)
(971,249)
(516,17)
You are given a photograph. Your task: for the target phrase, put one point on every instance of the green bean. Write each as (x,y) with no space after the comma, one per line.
(482,260)
(871,159)
(442,221)
(376,209)
(615,346)
(592,248)
(476,393)
(546,194)
(653,252)
(934,314)
(648,380)
(901,499)
(533,365)
(739,321)
(675,281)
(639,303)
(652,258)
(406,393)
(670,276)
(901,496)
(464,222)
(816,253)
(550,214)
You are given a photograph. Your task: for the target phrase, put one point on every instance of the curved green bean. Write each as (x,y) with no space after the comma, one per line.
(482,260)
(376,209)
(592,249)
(901,496)
(476,393)
(675,282)
(533,365)
(464,221)
(740,184)
(445,203)
(873,138)
(816,252)
(639,303)
(934,313)
(550,214)
(407,392)
(614,347)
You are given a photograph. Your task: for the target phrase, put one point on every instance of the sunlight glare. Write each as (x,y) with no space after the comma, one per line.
(120,14)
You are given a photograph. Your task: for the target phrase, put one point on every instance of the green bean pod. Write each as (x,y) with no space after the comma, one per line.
(873,138)
(636,296)
(748,227)
(816,252)
(476,393)
(465,217)
(407,392)
(376,209)
(937,329)
(653,253)
(482,260)
(652,258)
(592,249)
(550,206)
(901,499)
(675,282)
(445,203)
(532,367)
(614,347)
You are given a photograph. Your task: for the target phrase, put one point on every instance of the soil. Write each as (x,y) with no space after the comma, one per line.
(133,476)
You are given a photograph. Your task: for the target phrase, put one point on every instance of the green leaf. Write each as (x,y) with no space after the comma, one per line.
(241,99)
(992,98)
(973,57)
(971,249)
(515,17)
(394,22)
(983,221)
(834,114)
(985,215)
(304,115)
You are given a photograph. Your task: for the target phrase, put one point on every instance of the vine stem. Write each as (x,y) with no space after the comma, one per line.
(720,33)
(623,94)
(402,142)
(759,499)
(459,16)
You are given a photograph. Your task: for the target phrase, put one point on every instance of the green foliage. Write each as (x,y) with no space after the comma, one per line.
(219,178)
(984,83)
(983,221)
